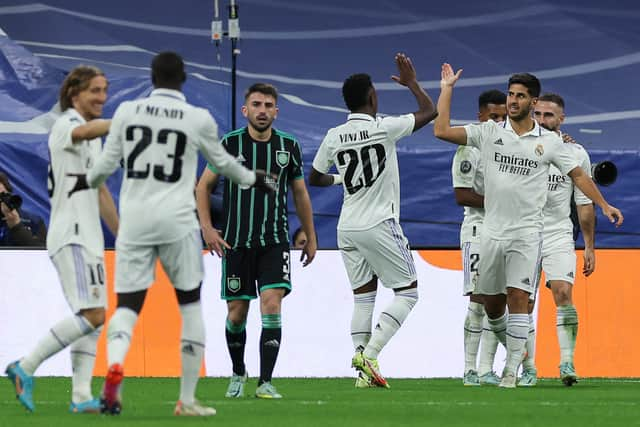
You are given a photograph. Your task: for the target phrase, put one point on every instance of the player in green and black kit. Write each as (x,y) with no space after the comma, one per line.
(255,241)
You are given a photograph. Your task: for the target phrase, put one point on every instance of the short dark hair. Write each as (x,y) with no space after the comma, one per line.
(493,96)
(4,179)
(167,69)
(263,88)
(355,90)
(527,80)
(553,97)
(76,81)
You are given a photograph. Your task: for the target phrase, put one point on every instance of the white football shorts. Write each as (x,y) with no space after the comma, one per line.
(559,257)
(82,277)
(382,250)
(470,264)
(181,260)
(509,263)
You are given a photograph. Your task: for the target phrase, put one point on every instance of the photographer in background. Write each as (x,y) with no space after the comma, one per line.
(18,227)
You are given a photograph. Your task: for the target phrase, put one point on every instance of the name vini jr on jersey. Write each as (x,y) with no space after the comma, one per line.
(514,165)
(555,181)
(354,136)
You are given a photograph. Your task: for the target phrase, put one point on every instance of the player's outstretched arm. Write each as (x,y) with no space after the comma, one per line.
(442,126)
(90,130)
(589,188)
(266,182)
(319,179)
(407,77)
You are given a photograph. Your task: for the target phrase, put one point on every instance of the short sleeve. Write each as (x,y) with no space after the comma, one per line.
(464,167)
(323,160)
(562,156)
(585,164)
(60,138)
(296,169)
(477,133)
(398,126)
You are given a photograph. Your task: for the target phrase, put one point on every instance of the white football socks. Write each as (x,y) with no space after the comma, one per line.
(567,328)
(361,319)
(472,334)
(517,334)
(192,345)
(390,321)
(63,334)
(119,334)
(488,348)
(83,358)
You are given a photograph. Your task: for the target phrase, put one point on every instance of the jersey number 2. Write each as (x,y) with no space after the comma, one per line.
(144,139)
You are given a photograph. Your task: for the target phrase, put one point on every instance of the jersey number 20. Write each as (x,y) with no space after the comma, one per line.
(351,158)
(144,138)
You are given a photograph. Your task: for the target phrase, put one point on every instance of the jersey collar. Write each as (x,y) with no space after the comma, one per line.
(72,111)
(360,116)
(169,93)
(536,131)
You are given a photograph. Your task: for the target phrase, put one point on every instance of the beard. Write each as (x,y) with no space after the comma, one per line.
(520,115)
(260,127)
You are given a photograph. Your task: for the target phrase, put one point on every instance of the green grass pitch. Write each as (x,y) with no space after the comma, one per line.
(335,402)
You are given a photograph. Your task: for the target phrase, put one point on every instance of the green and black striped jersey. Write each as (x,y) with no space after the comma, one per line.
(253,218)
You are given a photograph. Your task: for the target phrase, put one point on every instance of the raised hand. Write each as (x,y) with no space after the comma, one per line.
(407,73)
(266,182)
(448,77)
(81,183)
(568,138)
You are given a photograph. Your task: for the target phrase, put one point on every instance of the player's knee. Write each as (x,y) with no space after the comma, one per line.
(188,297)
(562,296)
(95,316)
(409,295)
(132,300)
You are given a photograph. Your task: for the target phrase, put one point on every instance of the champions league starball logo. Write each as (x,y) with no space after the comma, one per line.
(465,166)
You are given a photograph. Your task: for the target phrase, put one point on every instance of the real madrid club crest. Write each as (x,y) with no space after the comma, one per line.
(282,158)
(539,150)
(233,284)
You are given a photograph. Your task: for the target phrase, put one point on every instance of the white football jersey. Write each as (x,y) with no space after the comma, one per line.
(466,172)
(516,170)
(74,219)
(560,187)
(364,152)
(158,139)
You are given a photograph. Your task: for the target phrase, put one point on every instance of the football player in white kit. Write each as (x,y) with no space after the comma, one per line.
(468,187)
(159,138)
(558,248)
(369,234)
(75,242)
(516,155)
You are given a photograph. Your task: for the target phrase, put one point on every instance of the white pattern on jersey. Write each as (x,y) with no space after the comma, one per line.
(75,219)
(364,152)
(516,170)
(466,172)
(558,207)
(159,138)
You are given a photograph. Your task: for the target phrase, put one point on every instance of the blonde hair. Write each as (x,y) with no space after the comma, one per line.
(75,82)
